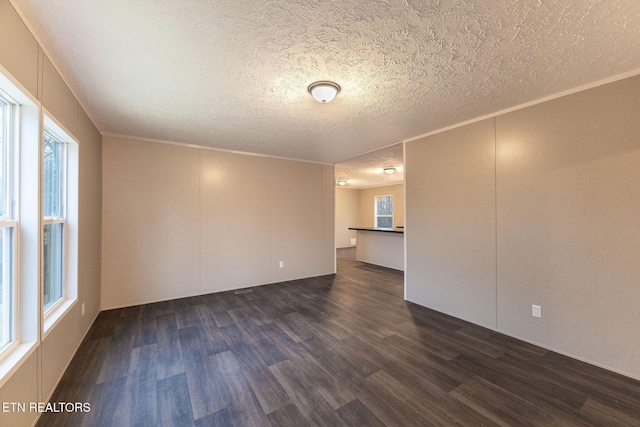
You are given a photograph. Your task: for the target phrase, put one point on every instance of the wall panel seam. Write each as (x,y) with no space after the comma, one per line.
(495,212)
(201,286)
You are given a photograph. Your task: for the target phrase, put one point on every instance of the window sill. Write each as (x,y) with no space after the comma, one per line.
(12,361)
(52,318)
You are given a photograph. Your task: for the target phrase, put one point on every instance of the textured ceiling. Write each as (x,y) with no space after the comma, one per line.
(233,74)
(367,170)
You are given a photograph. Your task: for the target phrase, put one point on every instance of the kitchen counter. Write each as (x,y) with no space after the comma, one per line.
(380,246)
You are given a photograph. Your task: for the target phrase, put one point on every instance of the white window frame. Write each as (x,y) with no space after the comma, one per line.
(61,217)
(10,139)
(26,128)
(68,216)
(375,210)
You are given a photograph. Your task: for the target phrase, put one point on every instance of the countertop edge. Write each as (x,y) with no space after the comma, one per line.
(381,230)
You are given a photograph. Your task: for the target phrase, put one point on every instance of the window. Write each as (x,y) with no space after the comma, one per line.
(20,224)
(384,211)
(7,223)
(54,192)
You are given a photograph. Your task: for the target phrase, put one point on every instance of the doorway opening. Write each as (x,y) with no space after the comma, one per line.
(369,216)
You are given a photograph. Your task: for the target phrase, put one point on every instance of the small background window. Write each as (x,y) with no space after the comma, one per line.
(384,211)
(54,190)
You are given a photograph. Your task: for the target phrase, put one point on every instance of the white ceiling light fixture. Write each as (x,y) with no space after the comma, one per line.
(389,171)
(342,182)
(324,91)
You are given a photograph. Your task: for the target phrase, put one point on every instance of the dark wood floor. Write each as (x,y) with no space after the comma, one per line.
(341,350)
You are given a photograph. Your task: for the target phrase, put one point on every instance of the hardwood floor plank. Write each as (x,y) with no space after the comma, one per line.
(295,333)
(108,405)
(297,323)
(334,350)
(229,301)
(170,358)
(82,373)
(105,324)
(145,330)
(423,344)
(218,419)
(267,352)
(434,336)
(188,315)
(356,414)
(264,385)
(288,416)
(390,409)
(564,403)
(244,408)
(310,372)
(422,370)
(196,342)
(362,327)
(213,337)
(242,318)
(260,312)
(163,307)
(433,319)
(174,402)
(502,407)
(222,319)
(141,389)
(332,360)
(439,408)
(363,363)
(116,363)
(614,395)
(205,386)
(307,399)
(330,330)
(233,336)
(609,416)
(483,336)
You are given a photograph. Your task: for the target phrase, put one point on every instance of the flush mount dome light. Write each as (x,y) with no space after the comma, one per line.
(324,91)
(342,182)
(389,171)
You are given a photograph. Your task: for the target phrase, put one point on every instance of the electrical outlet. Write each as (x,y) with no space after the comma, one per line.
(536,311)
(281,264)
(83,309)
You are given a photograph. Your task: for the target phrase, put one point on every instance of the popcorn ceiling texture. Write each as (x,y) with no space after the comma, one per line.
(367,170)
(233,74)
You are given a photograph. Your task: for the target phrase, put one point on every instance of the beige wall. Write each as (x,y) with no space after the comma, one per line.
(451,243)
(89,218)
(567,196)
(21,56)
(328,218)
(23,386)
(19,50)
(151,220)
(229,260)
(367,195)
(347,215)
(182,221)
(57,98)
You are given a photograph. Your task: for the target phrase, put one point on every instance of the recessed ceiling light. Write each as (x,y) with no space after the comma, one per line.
(342,182)
(389,171)
(324,91)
